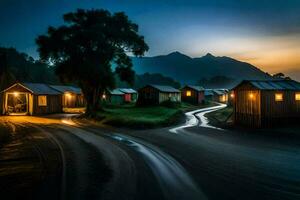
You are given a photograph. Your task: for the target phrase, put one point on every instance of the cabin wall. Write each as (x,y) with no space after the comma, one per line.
(134,97)
(166,96)
(54,105)
(1,103)
(148,96)
(279,112)
(75,101)
(195,98)
(127,97)
(247,108)
(116,99)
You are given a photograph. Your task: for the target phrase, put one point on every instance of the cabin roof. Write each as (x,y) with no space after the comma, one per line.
(195,87)
(115,92)
(165,88)
(274,84)
(64,88)
(127,90)
(40,88)
(220,91)
(208,92)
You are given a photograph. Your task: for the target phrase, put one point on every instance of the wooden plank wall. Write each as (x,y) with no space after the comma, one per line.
(195,98)
(148,96)
(1,103)
(166,96)
(279,112)
(54,105)
(247,110)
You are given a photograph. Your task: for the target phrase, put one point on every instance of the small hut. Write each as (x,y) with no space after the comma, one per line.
(220,95)
(114,96)
(30,99)
(130,95)
(192,94)
(72,97)
(266,103)
(156,94)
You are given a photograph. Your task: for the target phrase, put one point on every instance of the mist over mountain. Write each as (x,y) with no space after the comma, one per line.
(189,70)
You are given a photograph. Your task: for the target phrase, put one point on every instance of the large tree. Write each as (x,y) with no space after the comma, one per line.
(85,48)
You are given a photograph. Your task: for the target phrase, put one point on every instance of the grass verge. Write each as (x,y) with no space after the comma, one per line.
(221,118)
(146,117)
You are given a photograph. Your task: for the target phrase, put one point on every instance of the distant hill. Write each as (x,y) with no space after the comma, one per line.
(142,80)
(189,70)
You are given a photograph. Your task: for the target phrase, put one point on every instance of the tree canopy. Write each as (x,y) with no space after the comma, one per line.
(16,66)
(84,49)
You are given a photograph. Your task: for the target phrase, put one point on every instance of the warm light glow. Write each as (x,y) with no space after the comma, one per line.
(278,97)
(223,98)
(42,100)
(16,94)
(103,96)
(68,122)
(188,93)
(297,96)
(251,96)
(68,95)
(232,95)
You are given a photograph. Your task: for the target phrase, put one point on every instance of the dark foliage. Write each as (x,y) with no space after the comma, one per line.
(84,49)
(16,66)
(147,78)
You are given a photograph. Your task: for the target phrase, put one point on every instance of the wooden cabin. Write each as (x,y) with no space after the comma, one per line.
(192,94)
(30,99)
(266,103)
(114,96)
(220,95)
(130,95)
(72,97)
(156,94)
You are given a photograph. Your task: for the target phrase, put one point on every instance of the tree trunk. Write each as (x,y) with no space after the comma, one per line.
(93,102)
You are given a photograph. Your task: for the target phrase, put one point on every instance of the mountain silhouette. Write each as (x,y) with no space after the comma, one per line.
(189,70)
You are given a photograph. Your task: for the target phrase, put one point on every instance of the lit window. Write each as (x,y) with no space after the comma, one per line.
(297,96)
(42,100)
(188,93)
(278,97)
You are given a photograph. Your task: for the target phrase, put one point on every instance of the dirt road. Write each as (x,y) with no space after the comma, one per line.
(193,162)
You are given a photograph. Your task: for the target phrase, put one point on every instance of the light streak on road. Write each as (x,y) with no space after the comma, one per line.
(174,180)
(196,117)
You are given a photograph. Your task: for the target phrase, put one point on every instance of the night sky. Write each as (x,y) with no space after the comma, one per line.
(265,33)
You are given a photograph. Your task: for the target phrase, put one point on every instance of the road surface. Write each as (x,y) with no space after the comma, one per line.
(192,162)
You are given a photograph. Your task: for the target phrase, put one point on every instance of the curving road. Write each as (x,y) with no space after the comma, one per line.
(192,161)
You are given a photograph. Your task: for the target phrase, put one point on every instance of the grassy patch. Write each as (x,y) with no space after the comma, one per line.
(222,117)
(145,117)
(140,117)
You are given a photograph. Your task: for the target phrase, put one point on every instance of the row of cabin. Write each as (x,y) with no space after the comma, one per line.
(120,96)
(39,99)
(266,103)
(156,94)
